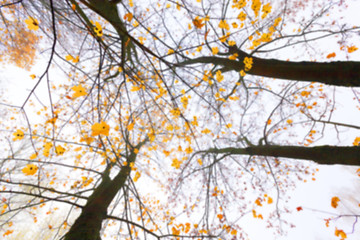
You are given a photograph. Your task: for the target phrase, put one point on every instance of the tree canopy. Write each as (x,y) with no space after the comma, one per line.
(173,119)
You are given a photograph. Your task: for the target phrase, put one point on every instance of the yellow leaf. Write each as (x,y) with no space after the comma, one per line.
(356,141)
(101,128)
(30,169)
(32,23)
(79,91)
(137,176)
(130,126)
(215,50)
(59,150)
(33,156)
(18,135)
(98,29)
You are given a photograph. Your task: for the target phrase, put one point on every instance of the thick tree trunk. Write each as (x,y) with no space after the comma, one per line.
(345,74)
(321,154)
(88,225)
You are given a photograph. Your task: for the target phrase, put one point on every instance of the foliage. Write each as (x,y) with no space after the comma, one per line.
(157,123)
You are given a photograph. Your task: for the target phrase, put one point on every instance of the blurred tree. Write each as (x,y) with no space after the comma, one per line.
(163,121)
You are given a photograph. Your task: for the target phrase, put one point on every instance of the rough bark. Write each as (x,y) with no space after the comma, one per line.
(88,225)
(321,154)
(339,73)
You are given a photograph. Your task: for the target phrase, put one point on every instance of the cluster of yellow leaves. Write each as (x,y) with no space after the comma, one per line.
(175,112)
(266,9)
(334,202)
(266,198)
(86,181)
(21,47)
(59,150)
(101,128)
(340,233)
(176,163)
(224,25)
(218,76)
(352,49)
(233,56)
(239,4)
(185,101)
(257,215)
(30,169)
(98,29)
(46,150)
(241,16)
(79,91)
(248,61)
(71,58)
(87,139)
(18,135)
(255,6)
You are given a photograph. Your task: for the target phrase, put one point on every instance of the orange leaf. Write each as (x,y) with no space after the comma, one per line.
(334,202)
(331,55)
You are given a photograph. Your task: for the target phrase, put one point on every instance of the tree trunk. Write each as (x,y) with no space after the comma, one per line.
(320,154)
(88,225)
(345,74)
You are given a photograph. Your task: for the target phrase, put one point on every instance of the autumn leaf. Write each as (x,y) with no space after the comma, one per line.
(198,22)
(331,55)
(30,169)
(351,49)
(18,135)
(215,50)
(334,202)
(340,233)
(59,150)
(98,29)
(224,25)
(128,17)
(101,128)
(356,141)
(79,91)
(32,23)
(70,58)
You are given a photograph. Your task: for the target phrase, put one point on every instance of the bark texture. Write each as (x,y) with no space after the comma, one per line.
(345,74)
(321,154)
(88,225)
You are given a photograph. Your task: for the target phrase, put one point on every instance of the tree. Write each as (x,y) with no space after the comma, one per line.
(168,95)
